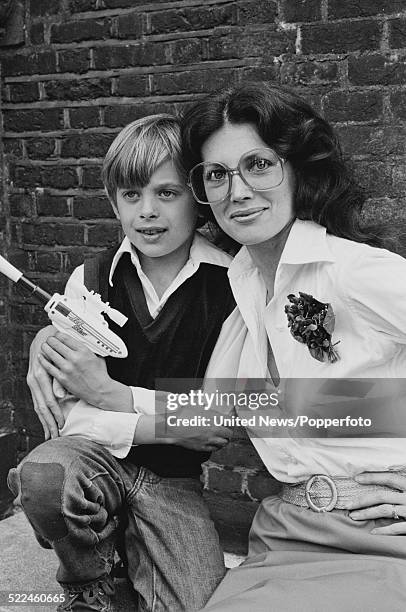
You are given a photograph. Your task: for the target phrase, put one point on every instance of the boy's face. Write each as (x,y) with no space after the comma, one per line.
(158,219)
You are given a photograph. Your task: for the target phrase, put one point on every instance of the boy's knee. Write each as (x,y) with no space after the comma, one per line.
(39,489)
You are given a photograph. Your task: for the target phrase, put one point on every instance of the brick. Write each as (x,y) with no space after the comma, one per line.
(104,234)
(397,33)
(52,206)
(86,145)
(77,6)
(185,20)
(380,210)
(225,481)
(79,89)
(74,258)
(21,205)
(301,10)
(44,120)
(24,92)
(34,63)
(337,9)
(25,176)
(125,56)
(374,177)
(237,454)
(92,207)
(134,85)
(84,117)
(373,140)
(77,60)
(22,260)
(111,4)
(398,104)
(37,33)
(264,44)
(130,26)
(376,69)
(131,3)
(353,106)
(341,37)
(59,177)
(262,485)
(48,262)
(13,146)
(399,180)
(309,73)
(197,81)
(250,13)
(76,31)
(233,518)
(91,177)
(51,234)
(23,315)
(188,51)
(260,73)
(40,148)
(120,115)
(44,7)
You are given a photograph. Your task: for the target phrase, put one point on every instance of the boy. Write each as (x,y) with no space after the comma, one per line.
(172,284)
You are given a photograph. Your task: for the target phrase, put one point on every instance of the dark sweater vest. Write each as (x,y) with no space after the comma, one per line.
(176,344)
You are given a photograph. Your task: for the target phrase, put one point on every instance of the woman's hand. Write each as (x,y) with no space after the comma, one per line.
(40,383)
(75,367)
(382,504)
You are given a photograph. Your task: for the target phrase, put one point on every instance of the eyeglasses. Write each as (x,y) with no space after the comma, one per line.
(260,169)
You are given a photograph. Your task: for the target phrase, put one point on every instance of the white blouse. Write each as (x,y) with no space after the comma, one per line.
(366,287)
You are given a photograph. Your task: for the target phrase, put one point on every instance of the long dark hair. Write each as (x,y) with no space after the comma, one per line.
(326,191)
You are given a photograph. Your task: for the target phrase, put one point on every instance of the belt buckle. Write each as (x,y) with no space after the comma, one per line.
(333,489)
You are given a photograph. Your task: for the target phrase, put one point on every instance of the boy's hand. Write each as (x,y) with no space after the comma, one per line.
(40,383)
(75,367)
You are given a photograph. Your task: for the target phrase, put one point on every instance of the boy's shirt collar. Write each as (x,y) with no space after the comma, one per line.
(201,251)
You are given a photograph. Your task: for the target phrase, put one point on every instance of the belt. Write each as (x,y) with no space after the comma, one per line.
(322,493)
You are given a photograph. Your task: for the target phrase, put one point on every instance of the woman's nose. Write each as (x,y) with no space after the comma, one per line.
(239,190)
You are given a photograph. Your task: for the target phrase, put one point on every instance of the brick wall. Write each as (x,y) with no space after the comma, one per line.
(88,67)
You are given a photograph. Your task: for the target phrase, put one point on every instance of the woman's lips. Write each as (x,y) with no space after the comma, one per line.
(247,215)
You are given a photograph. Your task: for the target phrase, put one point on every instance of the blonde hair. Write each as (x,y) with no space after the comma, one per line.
(138,150)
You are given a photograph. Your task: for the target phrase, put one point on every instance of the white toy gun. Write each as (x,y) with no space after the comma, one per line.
(80,318)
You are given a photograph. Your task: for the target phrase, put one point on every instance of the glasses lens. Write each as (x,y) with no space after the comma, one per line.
(210,182)
(261,169)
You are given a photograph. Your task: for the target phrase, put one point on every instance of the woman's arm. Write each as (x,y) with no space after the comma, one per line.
(42,392)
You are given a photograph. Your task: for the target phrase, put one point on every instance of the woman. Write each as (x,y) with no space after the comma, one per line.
(271,170)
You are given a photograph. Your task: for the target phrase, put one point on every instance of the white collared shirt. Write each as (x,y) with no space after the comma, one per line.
(115,430)
(366,287)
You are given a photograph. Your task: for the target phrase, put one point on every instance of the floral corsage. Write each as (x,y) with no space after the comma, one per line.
(312,323)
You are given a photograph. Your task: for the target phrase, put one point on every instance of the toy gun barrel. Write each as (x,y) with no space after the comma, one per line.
(22,282)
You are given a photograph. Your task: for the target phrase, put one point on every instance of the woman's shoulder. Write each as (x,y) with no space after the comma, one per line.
(350,253)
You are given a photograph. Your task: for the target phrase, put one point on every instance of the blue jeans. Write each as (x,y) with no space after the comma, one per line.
(77,496)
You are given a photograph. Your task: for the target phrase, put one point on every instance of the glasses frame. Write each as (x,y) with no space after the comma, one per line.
(233,172)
